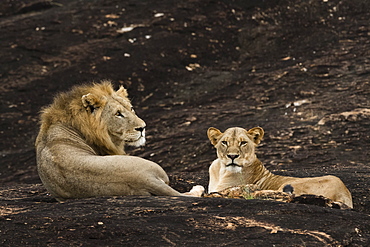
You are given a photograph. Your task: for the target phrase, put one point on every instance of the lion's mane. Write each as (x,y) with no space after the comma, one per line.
(68,109)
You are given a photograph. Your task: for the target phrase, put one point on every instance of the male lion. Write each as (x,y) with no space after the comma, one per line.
(237,164)
(80,147)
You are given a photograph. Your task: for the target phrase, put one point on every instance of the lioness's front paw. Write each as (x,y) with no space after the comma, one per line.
(197,190)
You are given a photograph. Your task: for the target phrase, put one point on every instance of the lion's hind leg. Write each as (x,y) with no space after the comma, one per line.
(160,188)
(196,191)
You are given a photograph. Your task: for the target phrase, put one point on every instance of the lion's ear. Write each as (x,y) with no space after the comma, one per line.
(91,102)
(214,135)
(257,134)
(122,92)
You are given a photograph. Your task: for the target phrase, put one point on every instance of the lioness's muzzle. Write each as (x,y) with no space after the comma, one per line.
(233,164)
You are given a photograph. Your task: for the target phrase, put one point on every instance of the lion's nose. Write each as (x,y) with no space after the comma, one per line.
(233,156)
(141,129)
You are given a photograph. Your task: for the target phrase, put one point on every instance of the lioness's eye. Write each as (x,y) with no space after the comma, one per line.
(243,143)
(119,114)
(224,143)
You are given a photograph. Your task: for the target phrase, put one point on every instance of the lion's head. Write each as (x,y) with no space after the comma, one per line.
(236,146)
(104,117)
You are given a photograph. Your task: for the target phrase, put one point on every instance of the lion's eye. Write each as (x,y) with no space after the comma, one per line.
(119,114)
(243,143)
(224,143)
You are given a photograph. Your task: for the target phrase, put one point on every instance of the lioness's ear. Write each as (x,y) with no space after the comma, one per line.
(91,102)
(214,135)
(257,134)
(122,92)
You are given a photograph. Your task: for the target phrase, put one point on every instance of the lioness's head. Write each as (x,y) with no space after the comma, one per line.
(236,146)
(103,116)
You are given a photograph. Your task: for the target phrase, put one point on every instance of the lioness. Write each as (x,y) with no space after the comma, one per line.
(237,164)
(80,147)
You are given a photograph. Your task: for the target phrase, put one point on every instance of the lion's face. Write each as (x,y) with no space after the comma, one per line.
(117,115)
(236,146)
(122,122)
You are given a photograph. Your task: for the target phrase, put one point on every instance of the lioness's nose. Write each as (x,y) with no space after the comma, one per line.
(141,129)
(233,156)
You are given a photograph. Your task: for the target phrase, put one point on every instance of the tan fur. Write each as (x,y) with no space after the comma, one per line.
(251,191)
(80,147)
(237,164)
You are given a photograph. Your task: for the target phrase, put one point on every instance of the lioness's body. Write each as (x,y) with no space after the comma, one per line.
(237,164)
(80,147)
